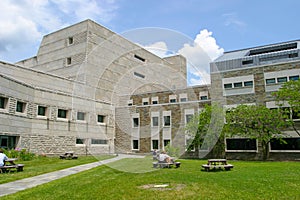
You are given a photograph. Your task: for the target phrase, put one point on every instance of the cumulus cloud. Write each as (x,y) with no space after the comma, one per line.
(158,48)
(24,22)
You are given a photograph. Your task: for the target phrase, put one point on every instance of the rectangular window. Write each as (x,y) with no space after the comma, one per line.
(135,122)
(166,142)
(140,58)
(145,101)
(167,121)
(292,144)
(188,118)
(172,100)
(294,78)
(98,141)
(247,62)
(100,118)
(238,85)
(20,107)
(154,121)
(79,141)
(130,102)
(69,61)
(3,102)
(154,144)
(81,116)
(270,81)
(154,100)
(62,113)
(139,75)
(282,79)
(228,85)
(70,40)
(183,99)
(41,111)
(248,83)
(203,98)
(241,144)
(135,144)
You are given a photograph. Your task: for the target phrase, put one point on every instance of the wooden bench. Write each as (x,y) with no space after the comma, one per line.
(165,165)
(214,164)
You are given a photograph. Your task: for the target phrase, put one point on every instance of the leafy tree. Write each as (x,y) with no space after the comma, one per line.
(255,122)
(204,130)
(290,93)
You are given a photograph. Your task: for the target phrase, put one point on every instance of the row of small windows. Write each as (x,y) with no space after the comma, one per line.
(284,79)
(247,144)
(92,141)
(154,144)
(238,84)
(42,111)
(154,121)
(172,99)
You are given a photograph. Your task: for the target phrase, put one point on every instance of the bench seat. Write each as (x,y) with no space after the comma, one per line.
(209,167)
(6,168)
(165,165)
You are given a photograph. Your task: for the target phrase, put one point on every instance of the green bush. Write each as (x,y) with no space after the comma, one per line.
(21,154)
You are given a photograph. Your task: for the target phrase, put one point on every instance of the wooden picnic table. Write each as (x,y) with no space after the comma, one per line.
(68,155)
(213,164)
(9,164)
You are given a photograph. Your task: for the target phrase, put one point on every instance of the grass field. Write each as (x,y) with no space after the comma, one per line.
(138,180)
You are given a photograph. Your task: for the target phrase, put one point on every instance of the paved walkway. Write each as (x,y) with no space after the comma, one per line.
(15,186)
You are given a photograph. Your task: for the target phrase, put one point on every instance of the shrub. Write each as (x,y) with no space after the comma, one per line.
(21,154)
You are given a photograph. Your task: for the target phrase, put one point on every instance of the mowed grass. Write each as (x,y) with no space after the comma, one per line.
(43,165)
(247,180)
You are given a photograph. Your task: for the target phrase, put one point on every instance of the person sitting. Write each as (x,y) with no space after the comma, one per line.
(164,158)
(3,157)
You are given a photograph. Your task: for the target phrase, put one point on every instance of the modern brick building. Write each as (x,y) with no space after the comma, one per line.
(90,90)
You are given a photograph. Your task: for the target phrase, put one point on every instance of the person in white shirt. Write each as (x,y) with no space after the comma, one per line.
(164,158)
(3,157)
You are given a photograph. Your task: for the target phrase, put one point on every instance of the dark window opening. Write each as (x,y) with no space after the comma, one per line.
(70,40)
(294,78)
(79,141)
(282,79)
(100,118)
(241,144)
(203,97)
(135,144)
(166,142)
(139,75)
(188,118)
(41,110)
(69,61)
(227,85)
(273,49)
(80,115)
(154,121)
(167,120)
(172,100)
(140,58)
(145,103)
(8,142)
(248,83)
(62,113)
(237,85)
(98,141)
(154,102)
(20,107)
(293,55)
(3,102)
(135,122)
(270,81)
(247,62)
(289,144)
(154,144)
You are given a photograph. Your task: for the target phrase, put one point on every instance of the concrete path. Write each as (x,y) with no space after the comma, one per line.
(15,186)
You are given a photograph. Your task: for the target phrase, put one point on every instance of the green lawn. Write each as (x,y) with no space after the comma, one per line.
(247,180)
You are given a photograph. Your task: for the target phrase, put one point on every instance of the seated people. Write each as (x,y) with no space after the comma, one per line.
(165,158)
(3,157)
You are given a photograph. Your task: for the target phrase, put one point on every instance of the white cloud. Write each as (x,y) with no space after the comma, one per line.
(199,54)
(24,22)
(158,48)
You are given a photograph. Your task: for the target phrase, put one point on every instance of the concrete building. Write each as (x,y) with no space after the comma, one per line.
(92,91)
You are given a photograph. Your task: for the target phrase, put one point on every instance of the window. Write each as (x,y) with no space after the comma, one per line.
(100,118)
(140,58)
(166,142)
(80,141)
(3,102)
(70,40)
(130,102)
(290,144)
(154,100)
(135,122)
(167,121)
(62,113)
(139,75)
(154,121)
(247,62)
(69,61)
(188,118)
(184,99)
(20,107)
(98,141)
(237,85)
(172,100)
(248,83)
(135,144)
(203,98)
(241,144)
(282,79)
(41,111)
(294,78)
(154,144)
(81,116)
(227,85)
(270,81)
(145,101)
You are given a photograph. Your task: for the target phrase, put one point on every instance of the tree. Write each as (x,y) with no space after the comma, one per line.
(255,122)
(204,130)
(290,93)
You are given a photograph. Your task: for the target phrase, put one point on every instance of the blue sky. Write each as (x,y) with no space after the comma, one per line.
(213,25)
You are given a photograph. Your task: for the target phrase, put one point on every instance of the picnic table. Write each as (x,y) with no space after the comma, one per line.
(213,164)
(9,164)
(68,155)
